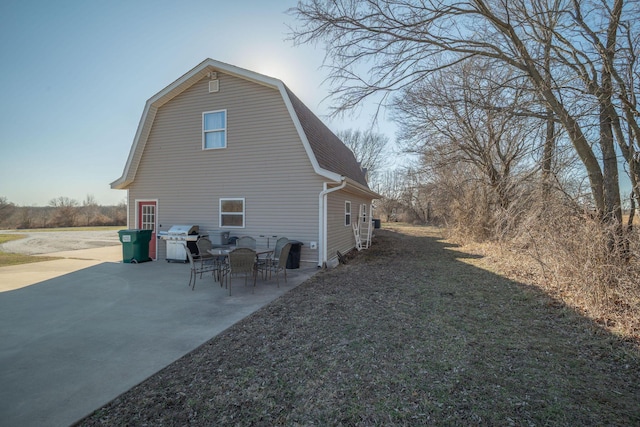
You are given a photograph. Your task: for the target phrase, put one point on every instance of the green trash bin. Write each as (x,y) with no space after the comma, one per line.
(135,245)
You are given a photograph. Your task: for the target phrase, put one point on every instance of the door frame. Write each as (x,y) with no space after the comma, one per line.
(137,202)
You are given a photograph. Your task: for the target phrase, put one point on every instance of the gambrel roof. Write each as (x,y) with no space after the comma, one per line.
(328,155)
(329,150)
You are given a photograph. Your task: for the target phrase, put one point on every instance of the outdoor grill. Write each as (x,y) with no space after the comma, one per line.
(176,236)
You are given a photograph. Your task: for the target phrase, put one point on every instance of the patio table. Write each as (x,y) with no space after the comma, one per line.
(224,252)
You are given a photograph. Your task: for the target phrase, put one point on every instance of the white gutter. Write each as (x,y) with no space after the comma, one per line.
(322,221)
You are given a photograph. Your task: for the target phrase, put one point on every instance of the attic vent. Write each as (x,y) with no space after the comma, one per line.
(214,86)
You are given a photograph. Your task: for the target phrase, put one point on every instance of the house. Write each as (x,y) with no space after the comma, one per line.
(232,150)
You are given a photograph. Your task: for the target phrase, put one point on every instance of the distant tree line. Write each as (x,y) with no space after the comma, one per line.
(61,212)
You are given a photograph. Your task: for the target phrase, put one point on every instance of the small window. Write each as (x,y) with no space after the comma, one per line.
(347,213)
(232,213)
(363,212)
(214,130)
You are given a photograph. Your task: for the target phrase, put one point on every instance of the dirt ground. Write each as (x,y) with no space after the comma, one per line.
(406,333)
(44,242)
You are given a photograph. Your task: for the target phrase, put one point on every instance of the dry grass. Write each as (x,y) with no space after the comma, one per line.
(617,309)
(9,237)
(575,262)
(407,333)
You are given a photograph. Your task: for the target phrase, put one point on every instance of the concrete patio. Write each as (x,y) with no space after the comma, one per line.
(78,338)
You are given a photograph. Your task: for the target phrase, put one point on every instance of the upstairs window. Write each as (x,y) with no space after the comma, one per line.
(214,129)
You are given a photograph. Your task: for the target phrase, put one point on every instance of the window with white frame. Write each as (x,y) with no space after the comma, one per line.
(232,213)
(214,129)
(347,213)
(363,212)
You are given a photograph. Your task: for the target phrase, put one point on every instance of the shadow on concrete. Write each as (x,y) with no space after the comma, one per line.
(72,343)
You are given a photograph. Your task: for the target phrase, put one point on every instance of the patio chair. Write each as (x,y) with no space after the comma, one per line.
(246,242)
(241,261)
(204,245)
(262,262)
(198,266)
(279,263)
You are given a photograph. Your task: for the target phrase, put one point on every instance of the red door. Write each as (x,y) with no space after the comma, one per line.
(147,221)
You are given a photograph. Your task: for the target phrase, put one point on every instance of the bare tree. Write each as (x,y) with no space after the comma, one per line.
(66,211)
(367,146)
(469,114)
(402,42)
(90,209)
(6,209)
(390,186)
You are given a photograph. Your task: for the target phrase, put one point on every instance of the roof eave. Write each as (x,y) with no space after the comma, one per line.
(120,184)
(362,189)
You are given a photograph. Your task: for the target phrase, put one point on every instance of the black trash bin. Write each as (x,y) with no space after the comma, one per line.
(376,223)
(135,245)
(293,261)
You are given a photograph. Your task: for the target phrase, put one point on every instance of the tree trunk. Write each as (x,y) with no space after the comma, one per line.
(550,138)
(547,156)
(611,185)
(571,125)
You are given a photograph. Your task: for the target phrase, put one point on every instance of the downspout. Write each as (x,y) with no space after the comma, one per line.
(322,219)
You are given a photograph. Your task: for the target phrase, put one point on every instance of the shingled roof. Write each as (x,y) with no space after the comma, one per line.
(329,150)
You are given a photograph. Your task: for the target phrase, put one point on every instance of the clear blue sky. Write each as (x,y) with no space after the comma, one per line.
(75,76)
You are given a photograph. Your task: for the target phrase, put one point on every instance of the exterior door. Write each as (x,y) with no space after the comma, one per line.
(147,221)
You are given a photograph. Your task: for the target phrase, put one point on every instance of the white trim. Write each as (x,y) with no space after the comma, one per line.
(223,129)
(303,137)
(322,219)
(136,203)
(128,210)
(244,210)
(363,212)
(137,214)
(350,213)
(148,115)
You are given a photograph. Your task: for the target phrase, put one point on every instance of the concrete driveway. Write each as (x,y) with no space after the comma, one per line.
(73,342)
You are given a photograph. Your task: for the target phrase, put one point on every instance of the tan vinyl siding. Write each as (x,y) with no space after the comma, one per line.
(264,163)
(339,236)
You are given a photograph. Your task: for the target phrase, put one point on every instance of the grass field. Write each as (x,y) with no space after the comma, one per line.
(406,334)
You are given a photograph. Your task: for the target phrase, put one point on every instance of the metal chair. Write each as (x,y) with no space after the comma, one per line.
(263,262)
(204,245)
(241,261)
(246,242)
(198,266)
(279,263)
